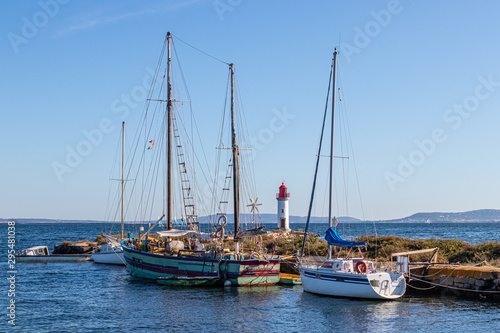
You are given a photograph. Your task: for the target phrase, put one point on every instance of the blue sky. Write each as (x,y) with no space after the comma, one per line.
(420,81)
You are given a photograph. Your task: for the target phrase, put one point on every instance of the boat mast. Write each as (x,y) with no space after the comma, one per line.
(330,198)
(123,169)
(169,138)
(318,155)
(236,174)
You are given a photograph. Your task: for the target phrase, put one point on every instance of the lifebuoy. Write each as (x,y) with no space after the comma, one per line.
(222,221)
(361,267)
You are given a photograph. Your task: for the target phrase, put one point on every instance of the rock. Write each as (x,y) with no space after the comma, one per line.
(480,283)
(79,247)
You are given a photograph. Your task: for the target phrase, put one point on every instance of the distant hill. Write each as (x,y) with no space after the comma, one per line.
(481,215)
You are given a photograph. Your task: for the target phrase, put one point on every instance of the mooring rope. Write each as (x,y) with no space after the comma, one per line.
(457,288)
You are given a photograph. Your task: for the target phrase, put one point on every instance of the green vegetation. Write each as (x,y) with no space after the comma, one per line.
(451,251)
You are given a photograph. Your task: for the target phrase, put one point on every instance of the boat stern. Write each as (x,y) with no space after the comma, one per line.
(388,285)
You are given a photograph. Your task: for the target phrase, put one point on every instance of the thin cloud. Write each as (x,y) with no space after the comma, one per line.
(97,21)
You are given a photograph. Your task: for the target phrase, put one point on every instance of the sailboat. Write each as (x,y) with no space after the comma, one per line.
(242,268)
(111,253)
(349,276)
(165,259)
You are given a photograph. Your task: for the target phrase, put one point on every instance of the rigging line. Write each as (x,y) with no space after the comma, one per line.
(146,180)
(192,118)
(185,86)
(151,88)
(457,288)
(417,288)
(146,107)
(107,212)
(317,163)
(345,174)
(156,166)
(207,180)
(220,144)
(197,49)
(196,193)
(189,142)
(246,133)
(224,197)
(177,185)
(147,133)
(150,179)
(141,165)
(350,148)
(349,137)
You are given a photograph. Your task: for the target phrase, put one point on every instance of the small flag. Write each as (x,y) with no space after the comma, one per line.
(152,142)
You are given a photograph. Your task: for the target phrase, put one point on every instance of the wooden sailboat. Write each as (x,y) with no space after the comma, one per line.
(348,276)
(239,268)
(166,260)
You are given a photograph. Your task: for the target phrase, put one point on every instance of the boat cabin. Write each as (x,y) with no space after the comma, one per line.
(36,251)
(350,265)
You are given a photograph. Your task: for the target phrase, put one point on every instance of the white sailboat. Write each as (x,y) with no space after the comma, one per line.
(111,253)
(348,276)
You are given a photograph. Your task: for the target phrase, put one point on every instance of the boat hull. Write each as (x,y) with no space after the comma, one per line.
(251,272)
(289,279)
(109,258)
(188,281)
(158,267)
(378,285)
(54,258)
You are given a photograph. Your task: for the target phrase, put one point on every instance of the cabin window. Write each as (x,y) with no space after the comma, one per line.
(327,265)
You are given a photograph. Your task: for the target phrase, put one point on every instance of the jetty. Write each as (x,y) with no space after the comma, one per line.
(476,282)
(456,280)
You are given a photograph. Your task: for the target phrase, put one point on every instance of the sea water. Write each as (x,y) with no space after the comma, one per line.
(88,297)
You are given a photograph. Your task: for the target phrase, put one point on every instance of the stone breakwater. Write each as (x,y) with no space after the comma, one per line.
(468,281)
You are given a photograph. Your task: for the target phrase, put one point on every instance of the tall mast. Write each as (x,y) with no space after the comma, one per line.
(236,174)
(330,198)
(169,138)
(123,170)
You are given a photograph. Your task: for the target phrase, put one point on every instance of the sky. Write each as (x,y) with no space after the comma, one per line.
(420,85)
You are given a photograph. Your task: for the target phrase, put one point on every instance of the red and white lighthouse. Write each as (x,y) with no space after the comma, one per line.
(283,196)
